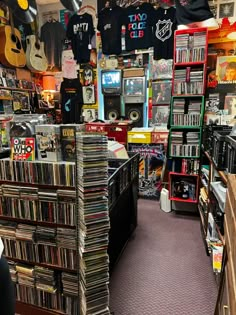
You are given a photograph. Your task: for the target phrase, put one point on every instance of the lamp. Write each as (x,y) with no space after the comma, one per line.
(49,83)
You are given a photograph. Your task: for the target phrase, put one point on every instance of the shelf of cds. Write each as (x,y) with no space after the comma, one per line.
(54,223)
(187,113)
(190,56)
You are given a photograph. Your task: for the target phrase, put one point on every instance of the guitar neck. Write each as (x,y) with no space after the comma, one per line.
(11,21)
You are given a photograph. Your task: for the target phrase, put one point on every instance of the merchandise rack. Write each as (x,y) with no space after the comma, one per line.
(189,68)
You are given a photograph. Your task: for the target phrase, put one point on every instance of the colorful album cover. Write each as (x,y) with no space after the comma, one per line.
(161,92)
(160,115)
(230,105)
(22,149)
(21,101)
(48,142)
(161,69)
(226,69)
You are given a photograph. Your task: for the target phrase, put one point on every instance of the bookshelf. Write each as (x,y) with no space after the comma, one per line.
(187,113)
(54,223)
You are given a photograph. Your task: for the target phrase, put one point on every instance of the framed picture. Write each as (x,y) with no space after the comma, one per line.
(21,101)
(89,114)
(226,10)
(226,69)
(230,105)
(88,94)
(160,115)
(88,75)
(161,92)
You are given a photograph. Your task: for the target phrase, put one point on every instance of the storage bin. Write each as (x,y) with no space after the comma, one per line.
(160,137)
(219,148)
(207,138)
(231,154)
(144,137)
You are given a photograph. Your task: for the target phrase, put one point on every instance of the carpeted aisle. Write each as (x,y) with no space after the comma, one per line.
(164,269)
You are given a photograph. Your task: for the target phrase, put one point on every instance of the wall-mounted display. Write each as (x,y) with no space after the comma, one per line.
(161,92)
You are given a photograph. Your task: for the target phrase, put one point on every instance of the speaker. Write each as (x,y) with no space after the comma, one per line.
(112,109)
(134,112)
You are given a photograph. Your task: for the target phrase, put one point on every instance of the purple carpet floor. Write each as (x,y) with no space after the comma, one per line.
(164,269)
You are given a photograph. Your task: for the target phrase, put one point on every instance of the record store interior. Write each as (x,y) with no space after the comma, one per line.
(117,157)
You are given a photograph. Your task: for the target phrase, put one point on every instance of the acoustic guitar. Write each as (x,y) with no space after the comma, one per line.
(11,51)
(35,56)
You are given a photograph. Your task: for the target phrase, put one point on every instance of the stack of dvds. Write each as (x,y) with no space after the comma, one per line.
(66,207)
(25,242)
(47,206)
(38,172)
(25,288)
(94,225)
(191,48)
(46,248)
(71,292)
(188,81)
(46,287)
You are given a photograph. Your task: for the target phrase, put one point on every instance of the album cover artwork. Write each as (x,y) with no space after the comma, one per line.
(161,92)
(226,10)
(89,114)
(22,149)
(230,105)
(21,101)
(160,115)
(88,94)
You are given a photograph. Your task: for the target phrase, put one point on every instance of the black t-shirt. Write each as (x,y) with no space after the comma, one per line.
(137,20)
(24,29)
(80,31)
(164,25)
(71,100)
(110,26)
(189,11)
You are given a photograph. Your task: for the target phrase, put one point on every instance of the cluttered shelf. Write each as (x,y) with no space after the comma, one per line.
(31,263)
(23,308)
(222,174)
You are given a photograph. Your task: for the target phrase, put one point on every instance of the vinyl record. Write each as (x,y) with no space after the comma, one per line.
(134,115)
(24,10)
(112,115)
(72,5)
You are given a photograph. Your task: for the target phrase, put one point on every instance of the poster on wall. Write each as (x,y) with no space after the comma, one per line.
(161,92)
(226,9)
(152,158)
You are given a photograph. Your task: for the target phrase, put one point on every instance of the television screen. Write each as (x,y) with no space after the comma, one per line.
(134,86)
(111,80)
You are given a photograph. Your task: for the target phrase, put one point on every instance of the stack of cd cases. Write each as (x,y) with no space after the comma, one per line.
(94,224)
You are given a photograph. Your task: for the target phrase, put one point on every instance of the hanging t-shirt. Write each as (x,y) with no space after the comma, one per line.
(53,35)
(24,29)
(110,27)
(137,20)
(164,25)
(80,31)
(71,100)
(189,11)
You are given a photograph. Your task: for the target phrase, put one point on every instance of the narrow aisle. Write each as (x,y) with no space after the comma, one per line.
(164,269)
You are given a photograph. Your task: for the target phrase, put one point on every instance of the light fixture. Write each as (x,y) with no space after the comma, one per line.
(49,83)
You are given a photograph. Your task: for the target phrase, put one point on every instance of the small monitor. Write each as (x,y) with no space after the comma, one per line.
(111,82)
(134,89)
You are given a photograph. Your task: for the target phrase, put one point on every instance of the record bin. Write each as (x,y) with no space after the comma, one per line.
(208,130)
(116,130)
(219,149)
(231,154)
(121,174)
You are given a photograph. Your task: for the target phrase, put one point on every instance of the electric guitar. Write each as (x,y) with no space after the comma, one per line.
(36,60)
(11,51)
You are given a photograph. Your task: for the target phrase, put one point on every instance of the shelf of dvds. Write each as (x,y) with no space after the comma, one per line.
(187,113)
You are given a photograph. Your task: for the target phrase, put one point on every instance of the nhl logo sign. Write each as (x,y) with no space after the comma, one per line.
(164,29)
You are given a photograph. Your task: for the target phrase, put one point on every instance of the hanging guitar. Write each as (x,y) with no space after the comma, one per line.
(11,51)
(36,60)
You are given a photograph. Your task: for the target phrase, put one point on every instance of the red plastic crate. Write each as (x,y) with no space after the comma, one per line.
(115,130)
(160,137)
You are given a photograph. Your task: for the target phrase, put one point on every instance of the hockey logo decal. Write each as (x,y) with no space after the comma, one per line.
(164,30)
